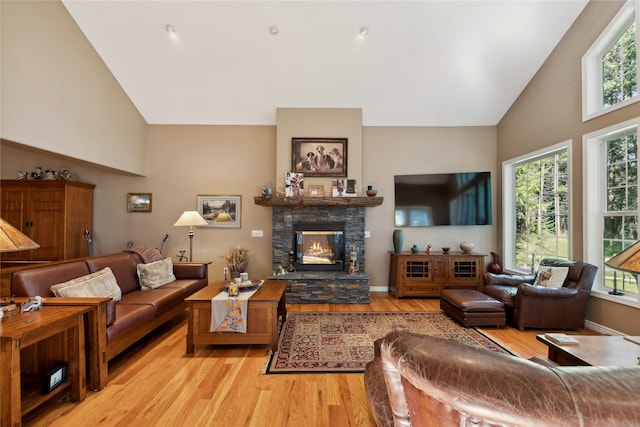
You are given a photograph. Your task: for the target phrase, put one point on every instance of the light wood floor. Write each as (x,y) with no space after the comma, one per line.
(154,383)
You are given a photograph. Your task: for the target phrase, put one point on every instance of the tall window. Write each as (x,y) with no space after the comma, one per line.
(611,196)
(609,67)
(536,197)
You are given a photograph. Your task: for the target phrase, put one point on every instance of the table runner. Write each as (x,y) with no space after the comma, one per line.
(228,314)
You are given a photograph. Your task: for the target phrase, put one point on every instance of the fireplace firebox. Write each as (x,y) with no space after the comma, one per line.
(319,246)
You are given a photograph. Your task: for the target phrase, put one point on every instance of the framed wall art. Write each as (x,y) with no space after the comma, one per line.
(319,156)
(220,211)
(138,202)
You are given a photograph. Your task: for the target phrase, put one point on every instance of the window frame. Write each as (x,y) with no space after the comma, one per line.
(508,201)
(594,185)
(592,93)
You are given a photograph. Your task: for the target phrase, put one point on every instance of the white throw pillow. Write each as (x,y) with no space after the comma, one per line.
(99,284)
(551,277)
(156,274)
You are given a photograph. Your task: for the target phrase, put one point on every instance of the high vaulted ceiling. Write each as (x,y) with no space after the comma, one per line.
(422,63)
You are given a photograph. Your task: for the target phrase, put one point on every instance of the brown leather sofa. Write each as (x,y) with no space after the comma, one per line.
(531,306)
(136,314)
(418,380)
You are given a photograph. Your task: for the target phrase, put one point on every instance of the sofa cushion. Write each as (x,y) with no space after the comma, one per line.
(551,277)
(161,299)
(99,284)
(155,274)
(129,317)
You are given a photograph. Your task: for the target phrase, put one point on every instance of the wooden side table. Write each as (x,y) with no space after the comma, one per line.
(30,344)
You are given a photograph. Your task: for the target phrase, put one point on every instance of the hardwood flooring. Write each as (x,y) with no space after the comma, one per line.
(155,383)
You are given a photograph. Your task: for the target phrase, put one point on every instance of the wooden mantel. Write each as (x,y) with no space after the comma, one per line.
(368,202)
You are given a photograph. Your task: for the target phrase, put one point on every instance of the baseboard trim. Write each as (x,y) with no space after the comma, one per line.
(600,328)
(378,289)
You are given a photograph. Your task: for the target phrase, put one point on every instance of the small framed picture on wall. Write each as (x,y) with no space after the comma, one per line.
(138,202)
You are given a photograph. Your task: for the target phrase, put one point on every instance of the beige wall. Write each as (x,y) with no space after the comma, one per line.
(548,112)
(319,123)
(60,96)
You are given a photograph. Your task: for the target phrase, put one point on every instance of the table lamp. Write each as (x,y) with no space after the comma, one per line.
(13,240)
(628,260)
(190,218)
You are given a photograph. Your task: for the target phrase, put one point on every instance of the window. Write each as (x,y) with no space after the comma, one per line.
(609,68)
(536,208)
(611,202)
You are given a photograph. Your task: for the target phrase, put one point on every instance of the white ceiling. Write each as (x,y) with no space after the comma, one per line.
(423,63)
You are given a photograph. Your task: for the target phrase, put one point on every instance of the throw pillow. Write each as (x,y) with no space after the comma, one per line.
(156,274)
(99,284)
(551,277)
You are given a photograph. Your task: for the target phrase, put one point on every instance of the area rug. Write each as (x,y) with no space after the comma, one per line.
(343,342)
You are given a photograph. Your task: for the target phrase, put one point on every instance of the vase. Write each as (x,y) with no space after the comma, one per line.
(494,266)
(466,247)
(398,237)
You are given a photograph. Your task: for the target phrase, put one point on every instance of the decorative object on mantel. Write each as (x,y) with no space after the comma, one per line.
(267,192)
(445,250)
(467,247)
(429,247)
(237,259)
(494,266)
(415,249)
(398,237)
(294,184)
(371,192)
(280,200)
(316,191)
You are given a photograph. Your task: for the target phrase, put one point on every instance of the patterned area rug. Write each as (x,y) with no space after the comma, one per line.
(343,342)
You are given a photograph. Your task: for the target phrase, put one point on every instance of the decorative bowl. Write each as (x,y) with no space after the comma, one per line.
(372,193)
(445,250)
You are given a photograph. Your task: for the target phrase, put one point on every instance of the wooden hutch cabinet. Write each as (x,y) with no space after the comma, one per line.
(424,275)
(52,213)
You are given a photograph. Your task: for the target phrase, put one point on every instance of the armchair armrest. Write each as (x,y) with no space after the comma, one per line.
(543,292)
(507,279)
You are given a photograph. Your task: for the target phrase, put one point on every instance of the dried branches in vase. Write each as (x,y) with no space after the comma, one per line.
(237,258)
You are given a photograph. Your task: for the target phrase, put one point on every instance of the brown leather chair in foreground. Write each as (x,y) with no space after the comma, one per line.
(530,306)
(418,380)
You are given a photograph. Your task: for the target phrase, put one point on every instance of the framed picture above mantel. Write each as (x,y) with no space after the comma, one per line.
(323,157)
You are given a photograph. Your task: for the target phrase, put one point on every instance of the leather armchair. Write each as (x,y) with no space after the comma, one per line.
(531,306)
(429,381)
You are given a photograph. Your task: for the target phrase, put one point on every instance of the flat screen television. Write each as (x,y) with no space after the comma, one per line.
(443,199)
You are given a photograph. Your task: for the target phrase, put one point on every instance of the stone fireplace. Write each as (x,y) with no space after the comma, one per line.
(343,221)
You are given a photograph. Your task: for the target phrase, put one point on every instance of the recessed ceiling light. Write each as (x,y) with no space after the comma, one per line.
(170,29)
(273,30)
(363,31)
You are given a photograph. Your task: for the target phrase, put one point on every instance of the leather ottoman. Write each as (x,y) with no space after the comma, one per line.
(472,308)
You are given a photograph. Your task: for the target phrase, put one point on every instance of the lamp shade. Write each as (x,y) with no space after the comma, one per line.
(190,218)
(627,260)
(12,240)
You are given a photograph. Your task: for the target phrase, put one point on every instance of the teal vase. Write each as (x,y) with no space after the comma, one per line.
(398,237)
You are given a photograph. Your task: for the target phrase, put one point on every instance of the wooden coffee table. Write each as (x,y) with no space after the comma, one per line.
(594,350)
(264,307)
